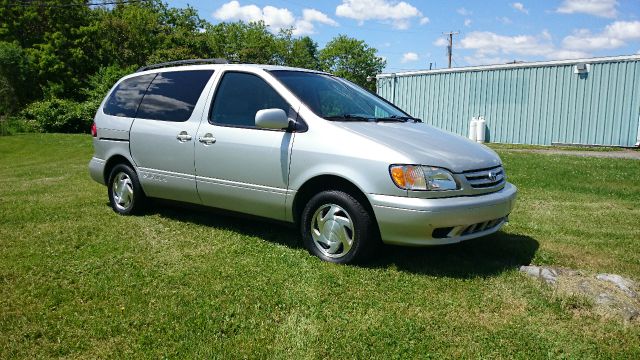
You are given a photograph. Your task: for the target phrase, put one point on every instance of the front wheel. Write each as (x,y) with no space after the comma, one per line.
(337,228)
(125,193)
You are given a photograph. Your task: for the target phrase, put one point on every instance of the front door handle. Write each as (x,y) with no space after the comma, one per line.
(207,139)
(183,136)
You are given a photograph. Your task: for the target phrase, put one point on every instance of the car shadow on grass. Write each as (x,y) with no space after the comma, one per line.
(483,257)
(266,229)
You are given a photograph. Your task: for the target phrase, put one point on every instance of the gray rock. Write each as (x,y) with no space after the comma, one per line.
(548,275)
(530,270)
(611,295)
(604,299)
(622,283)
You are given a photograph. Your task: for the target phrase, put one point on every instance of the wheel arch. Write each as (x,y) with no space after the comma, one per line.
(326,182)
(112,162)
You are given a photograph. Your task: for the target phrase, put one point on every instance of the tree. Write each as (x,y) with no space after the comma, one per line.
(128,34)
(14,78)
(51,35)
(297,52)
(242,42)
(352,59)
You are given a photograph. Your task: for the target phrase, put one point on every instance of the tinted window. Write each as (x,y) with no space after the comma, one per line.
(173,95)
(240,96)
(125,98)
(329,96)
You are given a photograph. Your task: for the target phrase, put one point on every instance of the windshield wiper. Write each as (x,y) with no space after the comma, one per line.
(398,118)
(348,117)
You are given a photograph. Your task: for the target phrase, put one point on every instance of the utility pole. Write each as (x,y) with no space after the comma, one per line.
(450,47)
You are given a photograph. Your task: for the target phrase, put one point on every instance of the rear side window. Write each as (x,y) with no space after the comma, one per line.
(240,96)
(173,95)
(125,98)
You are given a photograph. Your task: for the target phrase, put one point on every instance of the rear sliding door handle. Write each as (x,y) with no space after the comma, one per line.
(183,136)
(207,139)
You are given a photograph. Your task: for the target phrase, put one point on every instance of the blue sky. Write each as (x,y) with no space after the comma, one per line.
(408,34)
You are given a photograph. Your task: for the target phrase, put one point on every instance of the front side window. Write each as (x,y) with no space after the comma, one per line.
(240,96)
(173,95)
(336,99)
(125,98)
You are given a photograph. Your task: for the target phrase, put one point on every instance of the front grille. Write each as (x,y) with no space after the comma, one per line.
(486,178)
(462,230)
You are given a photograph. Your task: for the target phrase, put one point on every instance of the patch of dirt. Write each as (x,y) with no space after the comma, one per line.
(612,295)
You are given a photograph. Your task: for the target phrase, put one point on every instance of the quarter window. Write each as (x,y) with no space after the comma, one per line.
(240,96)
(125,98)
(173,95)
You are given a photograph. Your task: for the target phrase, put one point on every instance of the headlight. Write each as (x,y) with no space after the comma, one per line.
(416,177)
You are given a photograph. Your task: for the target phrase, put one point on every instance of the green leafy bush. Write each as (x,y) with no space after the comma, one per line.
(58,115)
(16,125)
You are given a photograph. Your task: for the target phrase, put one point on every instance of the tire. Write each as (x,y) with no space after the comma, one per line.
(337,228)
(125,193)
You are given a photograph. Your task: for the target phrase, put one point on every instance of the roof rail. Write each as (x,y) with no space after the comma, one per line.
(184,62)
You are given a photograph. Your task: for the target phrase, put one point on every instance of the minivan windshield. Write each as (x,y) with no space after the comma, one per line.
(336,99)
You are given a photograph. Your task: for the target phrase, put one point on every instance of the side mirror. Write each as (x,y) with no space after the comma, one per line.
(272,119)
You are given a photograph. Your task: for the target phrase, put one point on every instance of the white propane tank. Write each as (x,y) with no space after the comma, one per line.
(473,128)
(480,129)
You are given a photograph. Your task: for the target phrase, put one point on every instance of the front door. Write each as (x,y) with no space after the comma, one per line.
(164,132)
(240,167)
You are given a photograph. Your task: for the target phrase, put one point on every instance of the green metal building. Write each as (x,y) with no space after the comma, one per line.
(587,101)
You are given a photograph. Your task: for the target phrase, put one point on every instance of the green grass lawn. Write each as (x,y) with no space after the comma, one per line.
(497,146)
(79,281)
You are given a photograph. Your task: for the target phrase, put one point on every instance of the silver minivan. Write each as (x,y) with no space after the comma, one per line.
(347,167)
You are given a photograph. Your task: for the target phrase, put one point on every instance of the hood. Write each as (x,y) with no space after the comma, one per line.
(427,145)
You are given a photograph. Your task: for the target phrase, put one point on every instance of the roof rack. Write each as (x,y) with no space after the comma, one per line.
(184,62)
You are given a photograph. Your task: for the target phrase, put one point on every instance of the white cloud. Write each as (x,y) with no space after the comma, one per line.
(424,20)
(613,36)
(318,16)
(409,57)
(564,54)
(309,16)
(505,20)
(441,42)
(492,48)
(624,30)
(467,22)
(275,18)
(489,43)
(485,60)
(398,14)
(584,39)
(464,12)
(233,11)
(520,7)
(602,8)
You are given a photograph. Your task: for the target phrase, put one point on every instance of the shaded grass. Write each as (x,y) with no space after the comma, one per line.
(76,280)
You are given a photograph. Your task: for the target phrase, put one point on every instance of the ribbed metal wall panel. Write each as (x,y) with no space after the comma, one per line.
(539,105)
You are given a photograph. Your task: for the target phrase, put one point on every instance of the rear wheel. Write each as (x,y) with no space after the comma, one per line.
(125,193)
(337,228)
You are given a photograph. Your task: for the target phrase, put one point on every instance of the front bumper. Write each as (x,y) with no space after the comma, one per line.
(412,221)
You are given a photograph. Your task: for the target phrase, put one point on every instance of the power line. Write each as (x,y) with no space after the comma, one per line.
(44,4)
(450,46)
